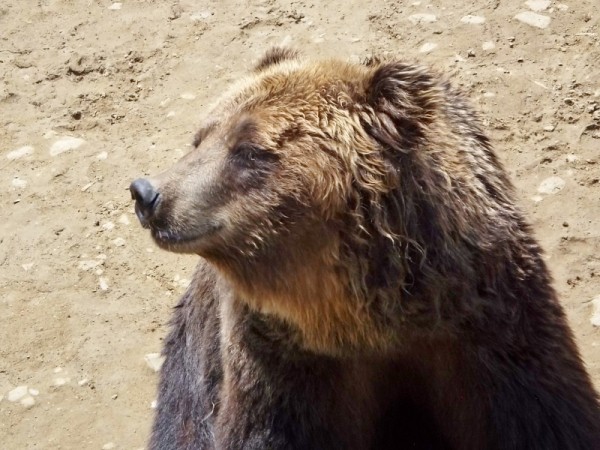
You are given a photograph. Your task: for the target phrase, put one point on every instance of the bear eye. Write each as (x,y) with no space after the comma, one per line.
(251,154)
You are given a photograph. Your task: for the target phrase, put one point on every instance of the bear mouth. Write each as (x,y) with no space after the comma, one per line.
(179,242)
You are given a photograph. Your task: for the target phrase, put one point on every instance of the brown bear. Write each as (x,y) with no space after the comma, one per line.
(366,280)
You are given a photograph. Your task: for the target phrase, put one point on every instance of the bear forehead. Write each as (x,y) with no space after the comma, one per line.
(294,87)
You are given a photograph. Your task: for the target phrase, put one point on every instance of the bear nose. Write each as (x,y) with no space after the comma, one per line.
(146,199)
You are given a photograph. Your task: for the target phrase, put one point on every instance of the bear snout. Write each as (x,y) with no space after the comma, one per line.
(146,199)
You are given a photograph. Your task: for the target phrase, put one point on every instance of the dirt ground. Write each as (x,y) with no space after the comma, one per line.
(85,295)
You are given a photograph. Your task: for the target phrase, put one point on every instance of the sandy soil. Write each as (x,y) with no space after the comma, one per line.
(84,294)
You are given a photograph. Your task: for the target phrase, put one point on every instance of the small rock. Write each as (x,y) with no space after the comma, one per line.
(60,381)
(471,53)
(538,5)
(108,446)
(27,266)
(188,96)
(562,7)
(114,396)
(533,19)
(473,20)
(115,6)
(65,144)
(154,361)
(119,242)
(422,18)
(34,392)
(124,220)
(571,158)
(551,185)
(102,156)
(549,127)
(568,101)
(57,370)
(50,134)
(595,319)
(17,394)
(19,183)
(107,226)
(488,45)
(200,16)
(88,264)
(171,114)
(153,404)
(103,284)
(26,150)
(27,401)
(427,47)
(566,224)
(83,382)
(489,94)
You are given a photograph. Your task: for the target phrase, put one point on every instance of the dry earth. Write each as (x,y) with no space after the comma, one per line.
(84,294)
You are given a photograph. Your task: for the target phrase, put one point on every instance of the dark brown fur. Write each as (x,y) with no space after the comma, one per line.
(366,280)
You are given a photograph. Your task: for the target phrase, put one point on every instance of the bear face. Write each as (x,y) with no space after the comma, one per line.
(318,189)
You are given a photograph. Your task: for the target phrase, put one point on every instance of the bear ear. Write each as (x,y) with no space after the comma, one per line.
(275,56)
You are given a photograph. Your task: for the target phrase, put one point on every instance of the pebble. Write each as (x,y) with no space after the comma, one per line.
(188,96)
(83,382)
(119,242)
(551,185)
(171,114)
(103,284)
(33,392)
(153,404)
(533,19)
(20,152)
(538,5)
(65,144)
(422,18)
(571,158)
(57,370)
(595,319)
(115,6)
(27,266)
(154,361)
(199,16)
(50,134)
(88,264)
(549,127)
(19,183)
(488,45)
(27,401)
(108,446)
(473,20)
(60,381)
(102,156)
(562,7)
(124,220)
(427,47)
(107,226)
(17,394)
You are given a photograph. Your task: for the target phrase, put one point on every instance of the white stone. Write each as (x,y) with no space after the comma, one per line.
(34,392)
(27,266)
(20,152)
(124,220)
(154,361)
(489,94)
(188,96)
(102,156)
(103,284)
(60,381)
(422,18)
(83,382)
(57,370)
(153,404)
(537,198)
(50,134)
(27,401)
(108,446)
(19,183)
(551,185)
(427,47)
(595,319)
(571,158)
(65,144)
(473,20)
(533,19)
(171,114)
(488,45)
(562,7)
(119,242)
(88,264)
(201,15)
(108,226)
(17,394)
(115,6)
(538,5)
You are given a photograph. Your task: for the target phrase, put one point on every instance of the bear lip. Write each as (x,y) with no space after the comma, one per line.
(174,241)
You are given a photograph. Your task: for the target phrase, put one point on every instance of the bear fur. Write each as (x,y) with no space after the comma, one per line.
(366,280)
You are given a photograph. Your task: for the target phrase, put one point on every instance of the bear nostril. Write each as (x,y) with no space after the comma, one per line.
(145,197)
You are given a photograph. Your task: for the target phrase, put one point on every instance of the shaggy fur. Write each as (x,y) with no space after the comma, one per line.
(366,280)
